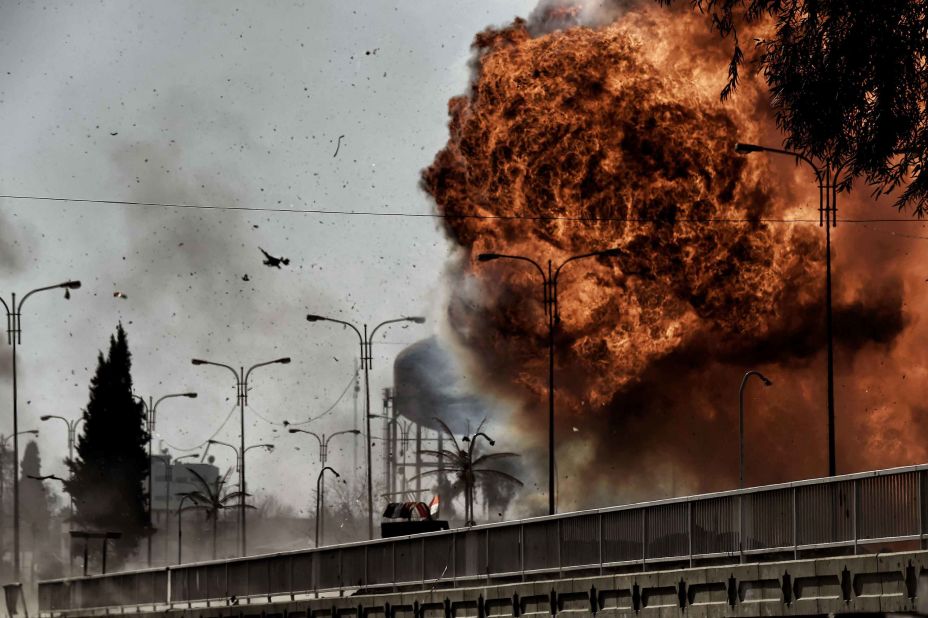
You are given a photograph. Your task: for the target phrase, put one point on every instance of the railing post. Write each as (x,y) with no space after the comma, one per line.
(644,538)
(422,546)
(600,520)
(795,528)
(856,494)
(560,540)
(168,591)
(740,528)
(689,528)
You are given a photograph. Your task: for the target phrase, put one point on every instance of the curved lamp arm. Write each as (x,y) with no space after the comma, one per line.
(318,318)
(306,431)
(417,320)
(282,361)
(71,285)
(486,257)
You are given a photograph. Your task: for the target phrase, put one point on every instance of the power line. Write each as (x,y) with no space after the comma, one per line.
(420,215)
(215,433)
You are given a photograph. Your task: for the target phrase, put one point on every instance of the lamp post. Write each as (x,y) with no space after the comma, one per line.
(367,358)
(319,514)
(72,435)
(549,300)
(151,410)
(180,534)
(827,175)
(241,384)
(240,463)
(169,469)
(402,437)
(469,477)
(323,458)
(744,381)
(14,334)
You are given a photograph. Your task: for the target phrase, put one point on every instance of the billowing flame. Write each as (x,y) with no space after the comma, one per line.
(586,138)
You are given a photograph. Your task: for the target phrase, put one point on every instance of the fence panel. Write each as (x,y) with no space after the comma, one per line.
(470,553)
(667,526)
(715,526)
(328,568)
(408,560)
(768,519)
(623,535)
(379,563)
(580,540)
(278,570)
(237,579)
(301,572)
(540,545)
(504,550)
(888,506)
(197,583)
(439,553)
(824,513)
(353,566)
(179,585)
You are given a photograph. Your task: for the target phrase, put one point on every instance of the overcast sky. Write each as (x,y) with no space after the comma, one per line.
(223,103)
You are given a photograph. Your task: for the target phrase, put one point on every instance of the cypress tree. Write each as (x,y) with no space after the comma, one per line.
(111,464)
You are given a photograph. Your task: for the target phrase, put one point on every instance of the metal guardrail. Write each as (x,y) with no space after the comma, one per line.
(836,513)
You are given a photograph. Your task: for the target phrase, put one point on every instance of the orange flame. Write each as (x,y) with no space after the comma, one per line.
(617,135)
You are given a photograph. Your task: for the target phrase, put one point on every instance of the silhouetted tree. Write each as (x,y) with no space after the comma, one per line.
(212,499)
(33,494)
(848,82)
(111,465)
(468,467)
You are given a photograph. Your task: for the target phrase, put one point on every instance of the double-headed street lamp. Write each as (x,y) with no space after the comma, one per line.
(323,458)
(549,300)
(744,380)
(151,409)
(367,359)
(240,463)
(828,176)
(319,486)
(241,385)
(470,477)
(14,333)
(72,430)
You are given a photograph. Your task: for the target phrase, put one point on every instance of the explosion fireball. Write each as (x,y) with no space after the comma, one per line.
(585,138)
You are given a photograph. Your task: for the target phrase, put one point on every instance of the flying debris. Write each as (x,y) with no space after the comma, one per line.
(114,133)
(273,262)
(246,277)
(338,145)
(119,295)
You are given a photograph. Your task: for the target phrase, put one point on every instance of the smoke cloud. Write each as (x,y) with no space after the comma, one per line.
(615,129)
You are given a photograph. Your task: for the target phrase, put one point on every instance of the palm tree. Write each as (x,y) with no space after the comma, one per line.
(468,466)
(212,498)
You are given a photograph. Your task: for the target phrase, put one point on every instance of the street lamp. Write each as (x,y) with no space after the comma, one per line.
(323,457)
(319,514)
(399,434)
(744,381)
(72,430)
(240,463)
(72,433)
(241,385)
(151,410)
(367,360)
(827,175)
(180,534)
(469,517)
(549,301)
(14,335)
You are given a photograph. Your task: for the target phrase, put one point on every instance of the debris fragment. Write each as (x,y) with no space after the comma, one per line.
(338,145)
(273,262)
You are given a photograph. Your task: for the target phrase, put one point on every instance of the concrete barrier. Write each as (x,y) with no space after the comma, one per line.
(873,584)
